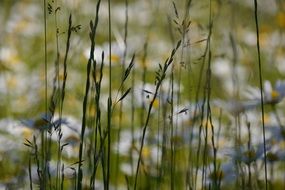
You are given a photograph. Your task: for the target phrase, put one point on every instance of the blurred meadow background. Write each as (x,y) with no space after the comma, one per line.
(142,94)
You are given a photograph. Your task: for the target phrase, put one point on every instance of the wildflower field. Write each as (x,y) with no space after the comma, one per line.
(142,94)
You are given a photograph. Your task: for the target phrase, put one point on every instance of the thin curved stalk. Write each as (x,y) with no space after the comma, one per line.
(261,91)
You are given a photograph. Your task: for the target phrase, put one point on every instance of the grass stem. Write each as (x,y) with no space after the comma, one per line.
(261,90)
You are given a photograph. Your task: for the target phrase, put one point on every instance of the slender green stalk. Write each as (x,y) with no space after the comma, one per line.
(173,124)
(261,90)
(69,32)
(172,143)
(62,100)
(161,74)
(249,149)
(60,104)
(36,153)
(92,34)
(97,154)
(30,173)
(80,173)
(207,88)
(158,143)
(171,103)
(209,114)
(207,96)
(62,177)
(190,165)
(122,89)
(183,29)
(109,99)
(144,72)
(132,119)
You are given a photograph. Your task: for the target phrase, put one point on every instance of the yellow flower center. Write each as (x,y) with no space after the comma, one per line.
(156,103)
(27,133)
(274,95)
(115,58)
(145,152)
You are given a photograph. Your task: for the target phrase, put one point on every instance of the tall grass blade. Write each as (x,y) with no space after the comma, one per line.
(261,89)
(92,35)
